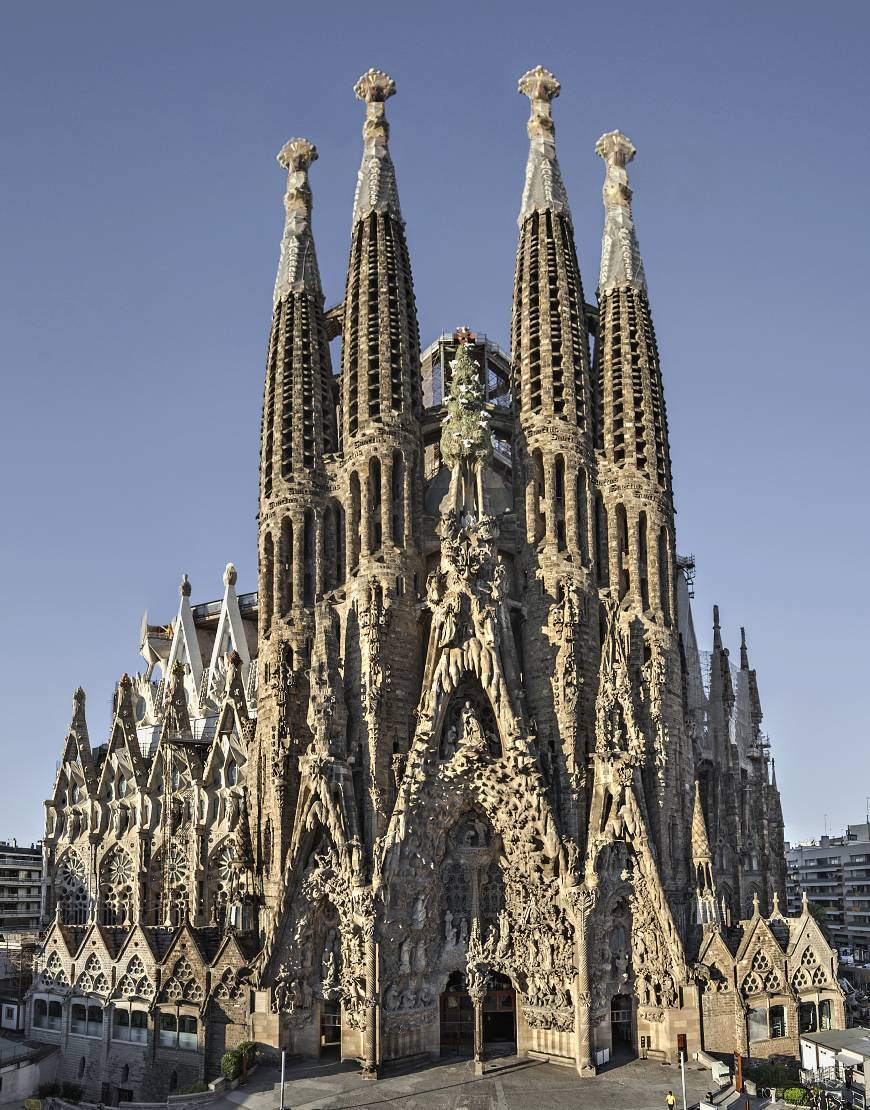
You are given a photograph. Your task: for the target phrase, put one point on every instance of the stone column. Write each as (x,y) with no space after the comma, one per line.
(298,522)
(582,904)
(387,538)
(370,1039)
(572,516)
(550,530)
(407,504)
(364,510)
(477,991)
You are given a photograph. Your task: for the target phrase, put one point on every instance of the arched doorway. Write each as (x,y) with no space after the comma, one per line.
(621,1026)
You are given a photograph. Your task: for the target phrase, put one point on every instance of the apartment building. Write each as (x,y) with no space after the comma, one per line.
(834,871)
(20,886)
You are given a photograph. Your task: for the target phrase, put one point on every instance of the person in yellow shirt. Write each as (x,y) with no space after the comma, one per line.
(670,1100)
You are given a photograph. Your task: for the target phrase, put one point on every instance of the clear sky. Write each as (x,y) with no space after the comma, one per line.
(140,216)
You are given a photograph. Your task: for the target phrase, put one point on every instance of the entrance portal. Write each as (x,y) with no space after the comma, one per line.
(330,1028)
(499,1014)
(457,1016)
(621,1025)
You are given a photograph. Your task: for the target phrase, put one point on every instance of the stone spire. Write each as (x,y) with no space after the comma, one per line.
(702,861)
(376,184)
(700,843)
(297,266)
(550,339)
(381,352)
(298,426)
(544,188)
(744,653)
(717,630)
(633,429)
(620,255)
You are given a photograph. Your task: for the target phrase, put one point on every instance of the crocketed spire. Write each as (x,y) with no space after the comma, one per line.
(297,266)
(632,430)
(550,340)
(298,414)
(381,352)
(700,843)
(544,188)
(376,184)
(620,255)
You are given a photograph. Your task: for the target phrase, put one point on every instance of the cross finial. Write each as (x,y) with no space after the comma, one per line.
(464,335)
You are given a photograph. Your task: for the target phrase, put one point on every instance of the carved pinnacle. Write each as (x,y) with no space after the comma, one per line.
(374,87)
(297,154)
(615,148)
(539,84)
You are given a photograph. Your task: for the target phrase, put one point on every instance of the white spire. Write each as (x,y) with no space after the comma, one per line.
(297,266)
(620,256)
(376,184)
(544,188)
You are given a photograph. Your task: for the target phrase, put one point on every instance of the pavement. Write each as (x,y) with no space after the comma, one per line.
(510,1083)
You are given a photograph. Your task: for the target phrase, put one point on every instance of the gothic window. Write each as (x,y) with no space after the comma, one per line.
(642,559)
(664,574)
(116,888)
(268,580)
(354,532)
(537,523)
(86,1020)
(559,497)
(825,1014)
(582,517)
(232,773)
(71,889)
(622,568)
(398,498)
(309,568)
(177,1031)
(222,874)
(286,559)
(602,542)
(491,893)
(374,521)
(457,889)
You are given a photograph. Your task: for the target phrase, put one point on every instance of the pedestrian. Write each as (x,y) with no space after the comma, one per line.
(670,1101)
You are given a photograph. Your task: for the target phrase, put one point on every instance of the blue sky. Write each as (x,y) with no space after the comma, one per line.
(140,218)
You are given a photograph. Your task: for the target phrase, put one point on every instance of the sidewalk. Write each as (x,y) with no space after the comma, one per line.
(510,1083)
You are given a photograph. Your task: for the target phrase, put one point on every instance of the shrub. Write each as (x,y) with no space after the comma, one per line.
(72,1092)
(196,1089)
(248,1050)
(231,1064)
(796,1096)
(47,1090)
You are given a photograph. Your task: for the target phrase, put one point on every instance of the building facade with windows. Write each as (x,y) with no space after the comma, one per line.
(457,774)
(834,873)
(20,887)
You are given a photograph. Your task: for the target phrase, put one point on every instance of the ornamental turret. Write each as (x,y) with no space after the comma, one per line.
(636,517)
(550,346)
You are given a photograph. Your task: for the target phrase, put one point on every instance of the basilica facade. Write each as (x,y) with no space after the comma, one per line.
(457,776)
